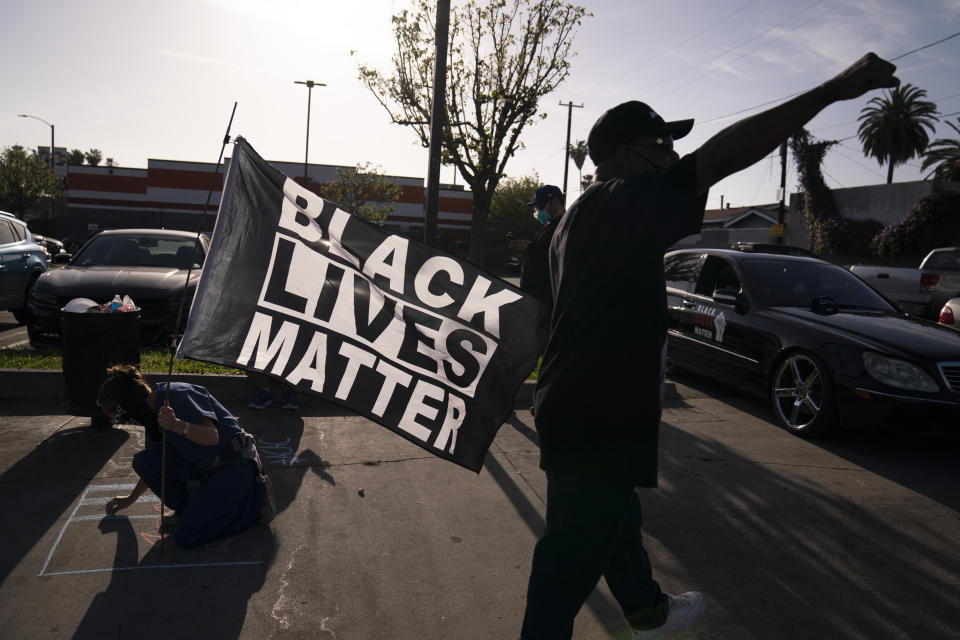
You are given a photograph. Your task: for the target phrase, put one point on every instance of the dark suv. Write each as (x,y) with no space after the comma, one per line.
(22,261)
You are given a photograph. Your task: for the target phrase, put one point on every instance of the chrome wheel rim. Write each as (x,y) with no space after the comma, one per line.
(798,392)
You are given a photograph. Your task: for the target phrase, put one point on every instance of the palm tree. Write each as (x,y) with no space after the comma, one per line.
(892,129)
(945,154)
(578,153)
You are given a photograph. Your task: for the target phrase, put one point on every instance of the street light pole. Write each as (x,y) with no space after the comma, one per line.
(310,85)
(49,124)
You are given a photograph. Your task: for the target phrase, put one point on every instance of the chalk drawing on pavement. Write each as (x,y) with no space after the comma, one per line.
(99,494)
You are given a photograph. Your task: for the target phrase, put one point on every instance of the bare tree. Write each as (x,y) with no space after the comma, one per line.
(504,55)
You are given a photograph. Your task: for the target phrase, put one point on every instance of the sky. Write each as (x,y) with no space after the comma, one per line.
(144,79)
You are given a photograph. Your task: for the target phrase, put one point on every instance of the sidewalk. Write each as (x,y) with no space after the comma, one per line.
(786,538)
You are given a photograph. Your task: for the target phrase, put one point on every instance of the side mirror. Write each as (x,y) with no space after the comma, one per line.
(62,258)
(732,297)
(824,306)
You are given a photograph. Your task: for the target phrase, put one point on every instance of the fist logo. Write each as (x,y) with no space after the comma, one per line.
(720,325)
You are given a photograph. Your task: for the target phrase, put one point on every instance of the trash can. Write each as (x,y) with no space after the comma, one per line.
(92,342)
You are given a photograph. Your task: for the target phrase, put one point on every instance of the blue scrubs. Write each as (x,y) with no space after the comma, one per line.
(227,500)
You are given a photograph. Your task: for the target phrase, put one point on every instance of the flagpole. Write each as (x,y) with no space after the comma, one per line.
(176,327)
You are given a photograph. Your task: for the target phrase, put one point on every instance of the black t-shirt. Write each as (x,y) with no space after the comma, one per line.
(598,394)
(535,274)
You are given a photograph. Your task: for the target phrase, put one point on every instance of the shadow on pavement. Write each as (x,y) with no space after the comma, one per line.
(924,461)
(789,559)
(603,607)
(53,475)
(279,434)
(7,321)
(527,432)
(163,596)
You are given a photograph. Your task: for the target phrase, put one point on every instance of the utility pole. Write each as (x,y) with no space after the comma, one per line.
(437,119)
(782,214)
(310,85)
(566,148)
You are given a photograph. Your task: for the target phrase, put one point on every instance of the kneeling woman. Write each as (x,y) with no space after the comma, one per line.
(214,478)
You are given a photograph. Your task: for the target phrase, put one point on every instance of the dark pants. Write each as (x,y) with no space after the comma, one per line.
(225,504)
(593,529)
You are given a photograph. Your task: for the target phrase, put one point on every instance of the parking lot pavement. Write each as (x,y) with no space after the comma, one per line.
(854,537)
(13,335)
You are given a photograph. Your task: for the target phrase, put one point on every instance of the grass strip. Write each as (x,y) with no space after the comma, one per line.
(152,360)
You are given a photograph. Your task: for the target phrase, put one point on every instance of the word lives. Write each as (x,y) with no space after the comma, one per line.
(373,320)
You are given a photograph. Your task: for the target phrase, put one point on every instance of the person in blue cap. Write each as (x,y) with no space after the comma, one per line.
(535,271)
(215,482)
(597,398)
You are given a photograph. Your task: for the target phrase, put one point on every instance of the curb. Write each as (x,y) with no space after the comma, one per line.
(47,384)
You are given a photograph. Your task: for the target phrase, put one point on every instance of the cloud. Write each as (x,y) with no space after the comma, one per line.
(214,61)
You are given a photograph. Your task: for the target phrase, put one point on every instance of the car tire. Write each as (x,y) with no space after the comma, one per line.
(22,314)
(802,394)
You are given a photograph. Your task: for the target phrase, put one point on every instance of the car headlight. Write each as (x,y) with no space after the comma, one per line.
(898,373)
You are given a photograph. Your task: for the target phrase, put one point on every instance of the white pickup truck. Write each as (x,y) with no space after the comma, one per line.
(921,291)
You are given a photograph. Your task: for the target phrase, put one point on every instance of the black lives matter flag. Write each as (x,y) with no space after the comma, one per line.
(422,343)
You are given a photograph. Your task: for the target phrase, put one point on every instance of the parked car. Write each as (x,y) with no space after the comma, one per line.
(22,261)
(769,247)
(52,245)
(950,313)
(149,265)
(817,341)
(919,291)
(73,244)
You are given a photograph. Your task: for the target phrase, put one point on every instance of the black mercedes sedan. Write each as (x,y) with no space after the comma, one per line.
(822,345)
(149,265)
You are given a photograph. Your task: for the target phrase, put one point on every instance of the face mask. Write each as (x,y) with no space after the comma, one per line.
(542,216)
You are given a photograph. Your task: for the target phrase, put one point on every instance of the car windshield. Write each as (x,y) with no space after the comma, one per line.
(783,283)
(139,250)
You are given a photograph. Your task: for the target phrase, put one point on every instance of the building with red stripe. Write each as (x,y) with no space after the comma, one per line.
(173,194)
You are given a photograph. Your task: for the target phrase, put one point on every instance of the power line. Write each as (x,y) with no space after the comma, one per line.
(926,46)
(762,45)
(864,167)
(757,106)
(722,53)
(832,178)
(843,124)
(680,44)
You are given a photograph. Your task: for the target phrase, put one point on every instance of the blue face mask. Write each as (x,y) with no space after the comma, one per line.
(542,216)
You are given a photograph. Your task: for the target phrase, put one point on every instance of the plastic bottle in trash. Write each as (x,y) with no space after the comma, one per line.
(116,302)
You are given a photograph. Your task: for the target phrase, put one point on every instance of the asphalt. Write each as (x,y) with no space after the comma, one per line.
(850,537)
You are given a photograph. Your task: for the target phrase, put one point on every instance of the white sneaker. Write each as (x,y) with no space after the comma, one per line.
(686,610)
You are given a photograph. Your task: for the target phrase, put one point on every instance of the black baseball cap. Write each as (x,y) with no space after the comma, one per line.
(627,122)
(545,193)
